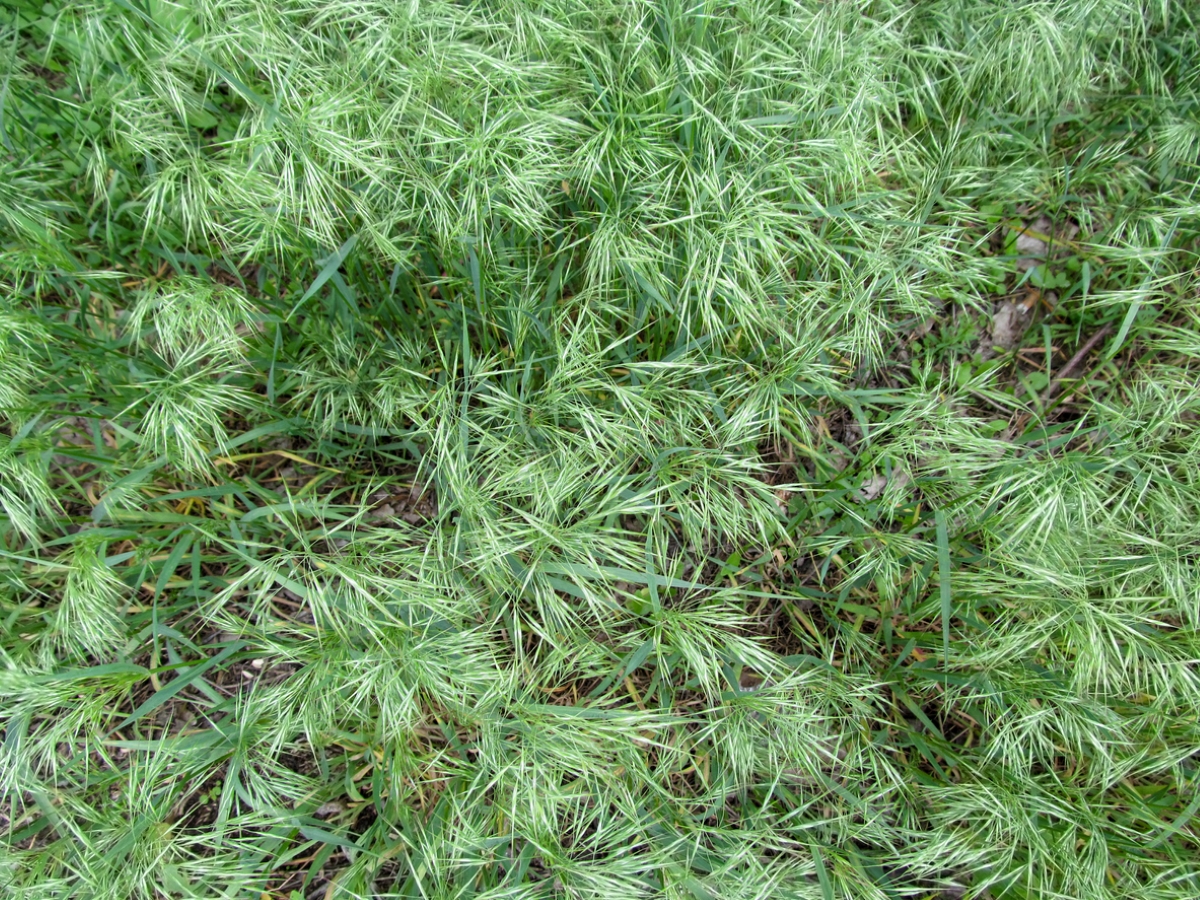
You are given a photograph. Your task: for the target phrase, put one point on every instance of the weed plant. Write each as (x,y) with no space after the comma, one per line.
(544,448)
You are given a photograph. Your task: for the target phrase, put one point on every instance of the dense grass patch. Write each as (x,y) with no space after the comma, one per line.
(536,448)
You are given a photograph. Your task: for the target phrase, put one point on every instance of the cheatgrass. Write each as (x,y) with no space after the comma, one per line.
(541,448)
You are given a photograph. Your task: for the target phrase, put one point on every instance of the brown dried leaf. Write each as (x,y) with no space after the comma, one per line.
(1008,325)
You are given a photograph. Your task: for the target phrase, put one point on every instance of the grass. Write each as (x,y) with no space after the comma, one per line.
(535,448)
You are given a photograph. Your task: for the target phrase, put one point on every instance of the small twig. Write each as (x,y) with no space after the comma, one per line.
(233,460)
(1074,361)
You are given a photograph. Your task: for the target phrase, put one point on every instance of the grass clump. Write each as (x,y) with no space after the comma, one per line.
(540,448)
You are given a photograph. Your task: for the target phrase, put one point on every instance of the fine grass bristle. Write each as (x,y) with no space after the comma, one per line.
(542,448)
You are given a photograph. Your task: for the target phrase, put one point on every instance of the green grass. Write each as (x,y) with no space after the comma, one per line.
(541,448)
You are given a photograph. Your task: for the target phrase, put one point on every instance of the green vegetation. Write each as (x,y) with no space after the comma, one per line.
(592,449)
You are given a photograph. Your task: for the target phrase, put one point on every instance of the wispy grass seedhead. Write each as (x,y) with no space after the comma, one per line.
(614,449)
(189,313)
